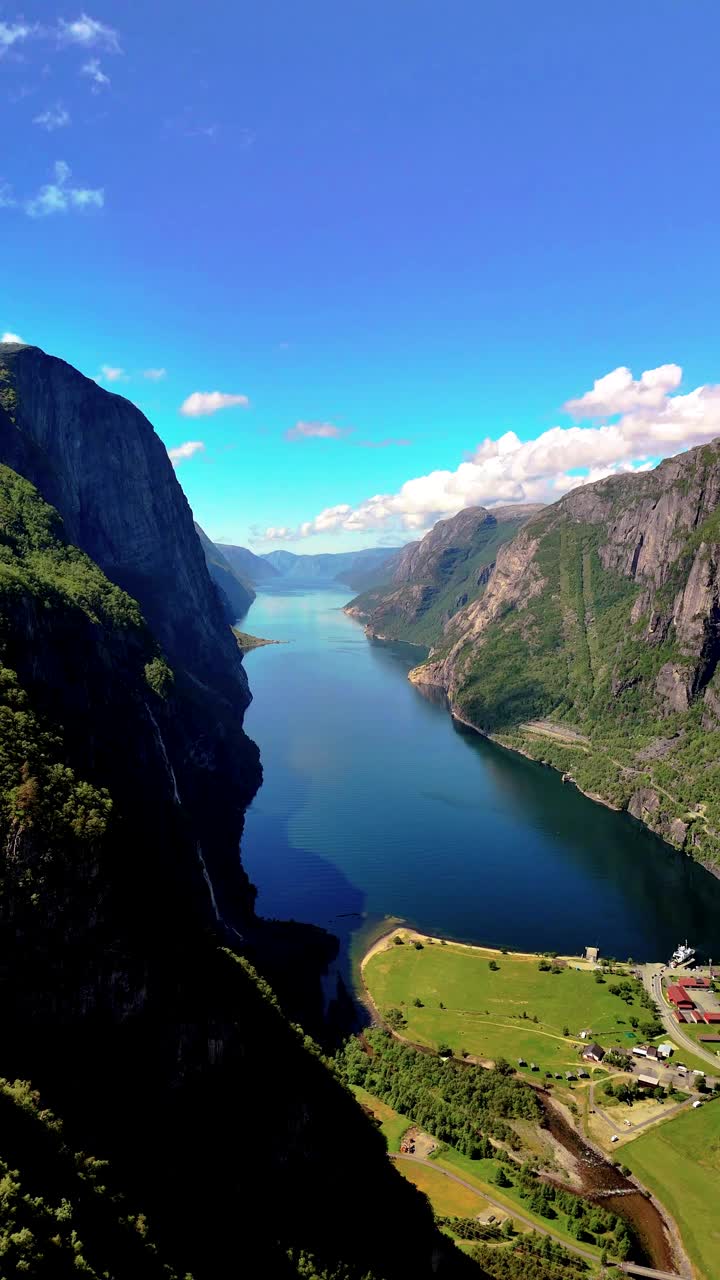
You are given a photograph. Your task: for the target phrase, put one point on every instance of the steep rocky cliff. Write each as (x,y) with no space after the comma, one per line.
(603,617)
(435,577)
(128,993)
(96,459)
(235,592)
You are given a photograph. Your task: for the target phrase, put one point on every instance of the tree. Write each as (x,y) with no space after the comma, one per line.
(418,946)
(418,1003)
(598,976)
(566,1031)
(501,1178)
(507,1228)
(398,940)
(493,966)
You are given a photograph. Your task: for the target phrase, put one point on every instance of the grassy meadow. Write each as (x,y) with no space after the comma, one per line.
(680,1163)
(491,1014)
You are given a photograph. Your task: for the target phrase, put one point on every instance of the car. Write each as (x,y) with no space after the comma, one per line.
(697,1104)
(614,1138)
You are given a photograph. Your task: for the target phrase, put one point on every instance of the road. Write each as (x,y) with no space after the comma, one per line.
(651,976)
(627,1129)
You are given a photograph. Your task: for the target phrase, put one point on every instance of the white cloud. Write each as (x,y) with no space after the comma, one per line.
(14,33)
(315,431)
(7,199)
(94,71)
(112,373)
(618,392)
(89,33)
(60,196)
(202,403)
(57,117)
(186,450)
(652,424)
(155,375)
(12,337)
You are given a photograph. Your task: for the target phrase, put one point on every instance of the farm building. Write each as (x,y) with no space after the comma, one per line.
(678,996)
(647,1081)
(593,1053)
(690,981)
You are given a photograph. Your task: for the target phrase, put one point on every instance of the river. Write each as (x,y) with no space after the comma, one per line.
(375,805)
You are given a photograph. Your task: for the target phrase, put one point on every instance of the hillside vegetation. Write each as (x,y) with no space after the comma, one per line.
(602,617)
(436,577)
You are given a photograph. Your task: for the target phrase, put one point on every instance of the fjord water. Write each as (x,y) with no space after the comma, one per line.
(375,804)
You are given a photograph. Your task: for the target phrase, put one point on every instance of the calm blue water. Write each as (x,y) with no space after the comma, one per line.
(374,804)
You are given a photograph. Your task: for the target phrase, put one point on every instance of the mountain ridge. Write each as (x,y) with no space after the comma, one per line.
(603,614)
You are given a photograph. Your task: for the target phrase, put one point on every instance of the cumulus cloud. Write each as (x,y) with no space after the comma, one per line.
(155,375)
(89,33)
(650,423)
(316,431)
(12,337)
(618,392)
(186,450)
(61,196)
(202,403)
(57,117)
(95,73)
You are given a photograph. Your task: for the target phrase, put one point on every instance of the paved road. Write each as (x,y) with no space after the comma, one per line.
(653,982)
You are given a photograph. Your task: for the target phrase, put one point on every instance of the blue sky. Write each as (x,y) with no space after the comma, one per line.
(391,223)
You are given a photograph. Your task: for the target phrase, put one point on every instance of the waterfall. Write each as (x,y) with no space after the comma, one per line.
(208,881)
(165,756)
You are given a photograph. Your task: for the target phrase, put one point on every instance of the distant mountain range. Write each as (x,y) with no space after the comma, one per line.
(356,569)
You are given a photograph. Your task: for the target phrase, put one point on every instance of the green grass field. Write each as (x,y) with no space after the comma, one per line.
(680,1163)
(483,1011)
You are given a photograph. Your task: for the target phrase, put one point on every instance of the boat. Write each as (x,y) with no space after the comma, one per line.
(682,954)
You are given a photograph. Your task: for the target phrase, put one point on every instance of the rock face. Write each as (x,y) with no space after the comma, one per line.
(236,594)
(96,459)
(437,576)
(253,569)
(604,612)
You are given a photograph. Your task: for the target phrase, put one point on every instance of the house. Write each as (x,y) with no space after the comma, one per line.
(593,1053)
(585,1035)
(679,1015)
(592,954)
(640,1050)
(522,1062)
(666,1049)
(648,1081)
(582,1074)
(570,1075)
(652,1051)
(678,996)
(712,1015)
(689,980)
(534,1066)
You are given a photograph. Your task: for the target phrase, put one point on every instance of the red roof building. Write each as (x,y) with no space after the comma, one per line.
(677,996)
(690,981)
(712,1017)
(679,1015)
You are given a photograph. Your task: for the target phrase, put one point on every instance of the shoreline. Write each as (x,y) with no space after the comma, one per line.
(382,943)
